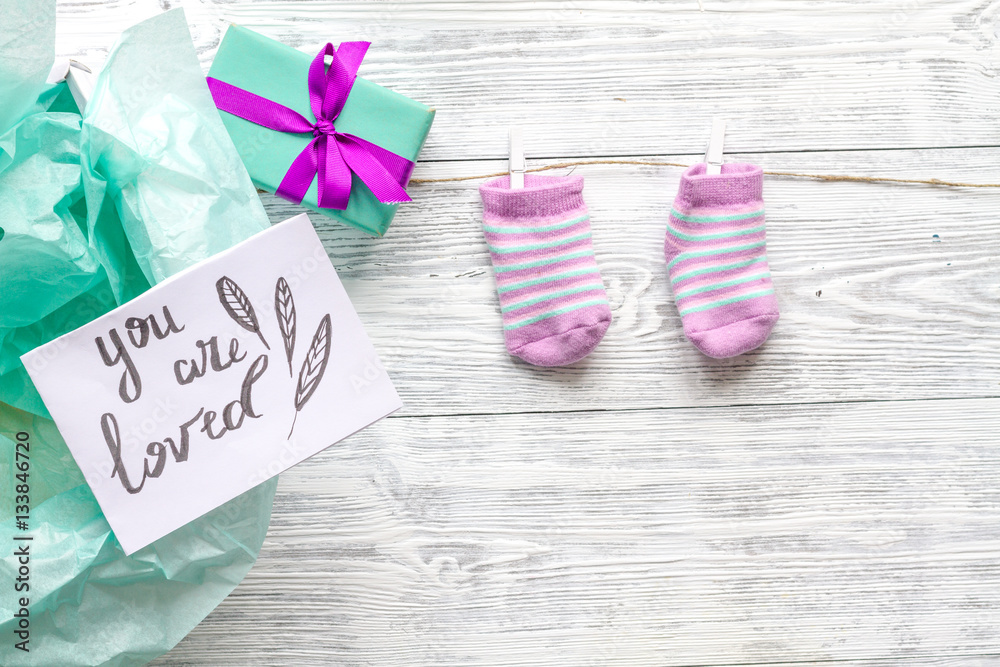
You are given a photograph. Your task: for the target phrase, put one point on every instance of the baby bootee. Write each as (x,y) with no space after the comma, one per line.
(552,299)
(717,261)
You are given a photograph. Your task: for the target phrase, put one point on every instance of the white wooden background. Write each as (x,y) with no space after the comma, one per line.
(830,499)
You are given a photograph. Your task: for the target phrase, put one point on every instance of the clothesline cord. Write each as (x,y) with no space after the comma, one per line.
(793,174)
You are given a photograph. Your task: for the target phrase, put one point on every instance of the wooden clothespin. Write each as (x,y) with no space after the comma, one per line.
(78,77)
(516,164)
(80,81)
(58,72)
(713,155)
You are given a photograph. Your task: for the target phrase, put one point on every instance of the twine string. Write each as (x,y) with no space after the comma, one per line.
(791,174)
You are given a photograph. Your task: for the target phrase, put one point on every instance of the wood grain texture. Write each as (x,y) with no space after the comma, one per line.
(830,499)
(631,77)
(936,661)
(660,537)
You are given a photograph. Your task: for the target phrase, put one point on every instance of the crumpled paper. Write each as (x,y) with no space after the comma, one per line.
(45,263)
(93,211)
(155,143)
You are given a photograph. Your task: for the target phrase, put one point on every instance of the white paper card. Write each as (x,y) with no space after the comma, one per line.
(212,382)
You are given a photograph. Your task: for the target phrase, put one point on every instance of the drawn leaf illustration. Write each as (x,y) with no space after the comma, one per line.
(238,305)
(284,308)
(313,367)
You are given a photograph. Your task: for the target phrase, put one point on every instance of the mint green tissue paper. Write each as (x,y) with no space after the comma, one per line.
(45,258)
(93,212)
(27,33)
(153,138)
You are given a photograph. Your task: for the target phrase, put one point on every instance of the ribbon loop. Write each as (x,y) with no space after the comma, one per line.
(331,155)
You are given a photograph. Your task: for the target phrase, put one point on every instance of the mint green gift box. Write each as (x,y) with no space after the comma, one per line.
(280,73)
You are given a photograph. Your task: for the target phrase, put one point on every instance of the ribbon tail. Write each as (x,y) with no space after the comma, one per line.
(300,174)
(398,166)
(334,176)
(383,184)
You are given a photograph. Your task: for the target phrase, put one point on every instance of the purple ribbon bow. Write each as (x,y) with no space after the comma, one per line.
(331,154)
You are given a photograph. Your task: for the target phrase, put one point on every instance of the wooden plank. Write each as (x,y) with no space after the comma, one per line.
(624,77)
(886,292)
(935,661)
(659,537)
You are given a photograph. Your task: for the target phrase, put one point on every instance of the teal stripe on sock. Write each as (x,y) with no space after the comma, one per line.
(716,269)
(548,279)
(712,237)
(552,295)
(715,251)
(715,286)
(553,313)
(725,302)
(527,230)
(543,262)
(538,246)
(715,218)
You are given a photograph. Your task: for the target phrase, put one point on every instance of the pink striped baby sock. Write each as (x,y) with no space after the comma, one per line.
(553,303)
(716,260)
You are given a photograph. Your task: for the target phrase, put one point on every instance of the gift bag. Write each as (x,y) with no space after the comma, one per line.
(93,211)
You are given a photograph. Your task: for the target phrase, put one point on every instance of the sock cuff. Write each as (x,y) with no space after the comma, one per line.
(542,196)
(739,183)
